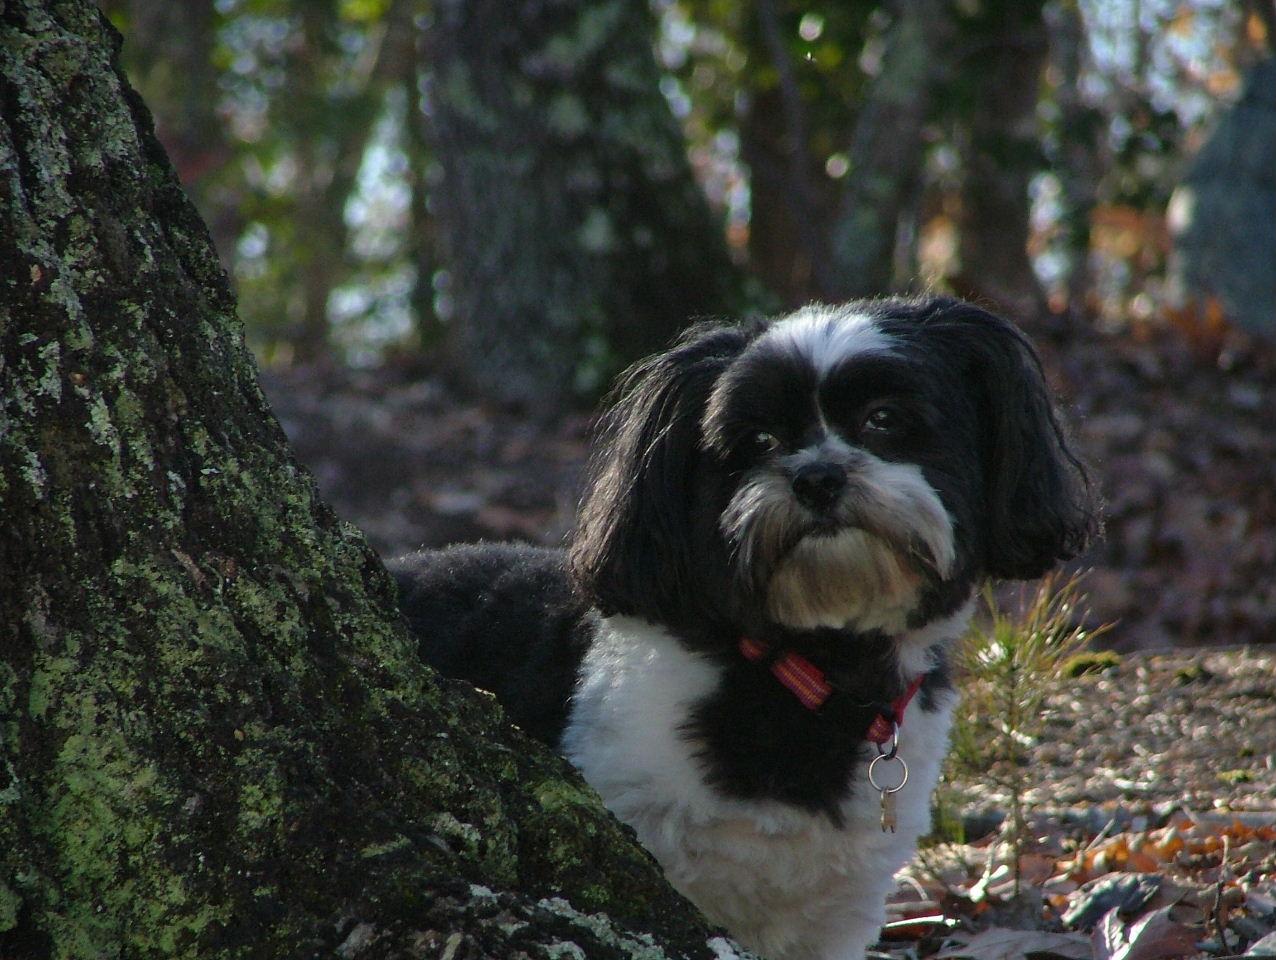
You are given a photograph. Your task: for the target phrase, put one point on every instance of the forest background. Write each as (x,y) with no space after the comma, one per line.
(451,223)
(216,738)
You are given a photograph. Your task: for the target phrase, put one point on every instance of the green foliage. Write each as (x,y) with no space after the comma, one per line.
(1008,664)
(287,124)
(305,132)
(1192,673)
(1091,661)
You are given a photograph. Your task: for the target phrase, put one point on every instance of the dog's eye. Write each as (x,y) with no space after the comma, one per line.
(765,442)
(882,420)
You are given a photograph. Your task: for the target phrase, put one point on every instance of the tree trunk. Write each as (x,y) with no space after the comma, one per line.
(422,241)
(575,235)
(888,151)
(1000,154)
(328,136)
(1079,161)
(215,736)
(781,252)
(1223,215)
(791,197)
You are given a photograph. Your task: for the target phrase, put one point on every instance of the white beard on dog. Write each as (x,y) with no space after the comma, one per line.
(866,579)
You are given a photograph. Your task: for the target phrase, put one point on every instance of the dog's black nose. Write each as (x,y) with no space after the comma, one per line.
(818,485)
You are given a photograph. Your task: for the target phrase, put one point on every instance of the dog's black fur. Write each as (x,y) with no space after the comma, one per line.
(505,618)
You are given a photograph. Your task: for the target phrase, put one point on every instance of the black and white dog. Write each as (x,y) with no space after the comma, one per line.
(783,528)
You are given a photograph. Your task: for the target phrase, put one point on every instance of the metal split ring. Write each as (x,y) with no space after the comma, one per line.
(889,753)
(872,779)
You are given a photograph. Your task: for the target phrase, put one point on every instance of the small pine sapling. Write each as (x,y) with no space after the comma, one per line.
(1008,663)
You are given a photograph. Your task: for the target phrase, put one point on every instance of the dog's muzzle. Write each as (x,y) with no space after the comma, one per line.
(819,486)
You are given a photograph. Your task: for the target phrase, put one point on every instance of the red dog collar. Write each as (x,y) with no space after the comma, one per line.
(807,682)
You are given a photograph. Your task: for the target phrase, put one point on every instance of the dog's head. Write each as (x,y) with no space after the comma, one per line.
(859,466)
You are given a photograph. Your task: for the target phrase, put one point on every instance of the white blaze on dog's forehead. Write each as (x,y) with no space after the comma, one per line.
(826,336)
(826,448)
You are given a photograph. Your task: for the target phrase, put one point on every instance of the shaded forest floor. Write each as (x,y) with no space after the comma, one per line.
(1152,796)
(1179,428)
(1151,831)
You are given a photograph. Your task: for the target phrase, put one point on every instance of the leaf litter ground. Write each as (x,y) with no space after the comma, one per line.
(1152,831)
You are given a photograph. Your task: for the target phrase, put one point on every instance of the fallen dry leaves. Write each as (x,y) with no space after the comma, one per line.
(999,943)
(1153,936)
(1198,886)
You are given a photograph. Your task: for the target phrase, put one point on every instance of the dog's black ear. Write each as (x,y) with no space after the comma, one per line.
(631,551)
(1040,507)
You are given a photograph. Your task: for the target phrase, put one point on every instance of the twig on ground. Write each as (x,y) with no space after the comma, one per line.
(1216,914)
(1100,836)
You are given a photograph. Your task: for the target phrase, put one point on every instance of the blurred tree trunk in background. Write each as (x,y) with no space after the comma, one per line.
(575,235)
(1079,161)
(554,230)
(329,140)
(422,242)
(326,160)
(792,200)
(788,236)
(1004,52)
(1223,216)
(216,738)
(888,151)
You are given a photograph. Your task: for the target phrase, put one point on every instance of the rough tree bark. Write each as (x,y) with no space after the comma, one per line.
(170,58)
(575,234)
(215,738)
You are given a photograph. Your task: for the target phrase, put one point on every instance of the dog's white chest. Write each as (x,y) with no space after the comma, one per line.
(785,882)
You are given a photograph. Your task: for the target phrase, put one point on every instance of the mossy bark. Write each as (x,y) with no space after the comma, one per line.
(215,737)
(575,234)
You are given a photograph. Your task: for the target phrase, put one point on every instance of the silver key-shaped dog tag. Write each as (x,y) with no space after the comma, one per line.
(888,811)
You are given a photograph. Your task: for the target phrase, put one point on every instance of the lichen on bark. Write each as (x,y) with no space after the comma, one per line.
(215,736)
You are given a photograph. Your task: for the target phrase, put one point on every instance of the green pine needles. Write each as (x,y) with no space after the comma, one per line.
(1008,663)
